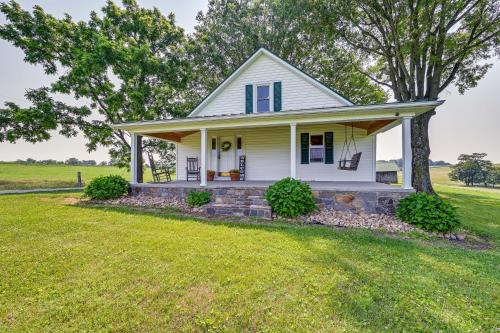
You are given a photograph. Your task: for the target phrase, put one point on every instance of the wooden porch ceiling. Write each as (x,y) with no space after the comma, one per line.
(369,126)
(172,136)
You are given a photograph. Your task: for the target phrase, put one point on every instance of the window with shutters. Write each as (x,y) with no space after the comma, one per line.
(316,148)
(263,98)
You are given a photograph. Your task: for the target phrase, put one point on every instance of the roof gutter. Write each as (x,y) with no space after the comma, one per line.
(416,107)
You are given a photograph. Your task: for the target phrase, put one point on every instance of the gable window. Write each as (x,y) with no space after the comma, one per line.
(316,149)
(263,98)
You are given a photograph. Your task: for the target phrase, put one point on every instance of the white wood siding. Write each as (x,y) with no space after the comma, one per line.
(297,93)
(268,153)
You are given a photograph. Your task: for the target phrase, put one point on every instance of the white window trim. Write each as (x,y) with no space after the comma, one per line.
(271,95)
(316,146)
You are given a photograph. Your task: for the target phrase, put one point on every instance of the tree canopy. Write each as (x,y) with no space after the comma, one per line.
(416,49)
(231,30)
(473,169)
(127,64)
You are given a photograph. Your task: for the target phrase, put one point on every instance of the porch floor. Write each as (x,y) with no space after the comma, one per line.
(315,185)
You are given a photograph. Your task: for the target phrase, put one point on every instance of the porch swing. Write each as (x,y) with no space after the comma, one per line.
(351,163)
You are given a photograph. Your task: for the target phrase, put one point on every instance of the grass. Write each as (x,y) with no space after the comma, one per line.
(15,176)
(479,209)
(82,268)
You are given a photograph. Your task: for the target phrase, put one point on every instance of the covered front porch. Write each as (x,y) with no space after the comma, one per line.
(273,144)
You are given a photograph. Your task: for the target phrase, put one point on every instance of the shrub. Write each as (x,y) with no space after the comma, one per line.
(428,212)
(196,199)
(106,187)
(290,198)
(234,171)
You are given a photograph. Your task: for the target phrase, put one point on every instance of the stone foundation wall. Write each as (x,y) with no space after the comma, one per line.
(383,202)
(380,202)
(182,192)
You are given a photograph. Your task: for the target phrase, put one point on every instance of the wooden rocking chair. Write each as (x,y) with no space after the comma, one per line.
(160,173)
(192,168)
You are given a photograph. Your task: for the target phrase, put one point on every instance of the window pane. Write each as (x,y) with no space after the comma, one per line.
(263,105)
(316,155)
(214,143)
(316,140)
(238,143)
(262,92)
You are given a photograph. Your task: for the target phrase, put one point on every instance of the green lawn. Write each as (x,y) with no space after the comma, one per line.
(21,176)
(82,268)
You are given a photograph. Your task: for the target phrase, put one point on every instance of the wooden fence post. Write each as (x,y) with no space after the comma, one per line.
(79,179)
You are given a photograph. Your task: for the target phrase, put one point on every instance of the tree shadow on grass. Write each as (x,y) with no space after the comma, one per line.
(384,283)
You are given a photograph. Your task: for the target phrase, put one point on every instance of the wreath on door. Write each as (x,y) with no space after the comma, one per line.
(225,146)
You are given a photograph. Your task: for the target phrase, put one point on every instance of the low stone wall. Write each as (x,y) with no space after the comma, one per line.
(371,202)
(182,192)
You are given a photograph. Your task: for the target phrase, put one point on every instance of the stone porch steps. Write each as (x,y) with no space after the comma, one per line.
(243,202)
(238,210)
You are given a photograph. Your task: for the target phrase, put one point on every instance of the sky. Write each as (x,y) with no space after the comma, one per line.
(463,124)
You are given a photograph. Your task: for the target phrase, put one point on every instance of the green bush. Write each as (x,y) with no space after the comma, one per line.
(290,198)
(106,187)
(196,199)
(428,212)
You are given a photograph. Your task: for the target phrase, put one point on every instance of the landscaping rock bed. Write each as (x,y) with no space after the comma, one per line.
(329,217)
(143,200)
(389,223)
(359,220)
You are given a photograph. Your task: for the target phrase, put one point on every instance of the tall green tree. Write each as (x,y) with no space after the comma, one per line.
(472,169)
(231,30)
(416,48)
(125,64)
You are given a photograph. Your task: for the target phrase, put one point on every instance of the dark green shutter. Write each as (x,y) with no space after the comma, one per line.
(249,98)
(328,147)
(304,148)
(277,96)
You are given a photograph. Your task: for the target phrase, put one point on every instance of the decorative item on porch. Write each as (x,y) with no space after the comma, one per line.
(225,146)
(351,163)
(242,165)
(234,174)
(210,175)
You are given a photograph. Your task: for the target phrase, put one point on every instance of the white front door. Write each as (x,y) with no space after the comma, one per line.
(227,151)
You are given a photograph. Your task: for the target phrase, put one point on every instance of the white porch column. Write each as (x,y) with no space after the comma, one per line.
(203,166)
(133,158)
(293,150)
(407,153)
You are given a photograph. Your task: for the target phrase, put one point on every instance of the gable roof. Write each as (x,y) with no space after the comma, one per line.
(383,166)
(249,61)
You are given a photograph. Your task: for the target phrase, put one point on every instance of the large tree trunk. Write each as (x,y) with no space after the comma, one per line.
(420,148)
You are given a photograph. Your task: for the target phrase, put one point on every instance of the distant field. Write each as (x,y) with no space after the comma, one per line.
(21,176)
(439,176)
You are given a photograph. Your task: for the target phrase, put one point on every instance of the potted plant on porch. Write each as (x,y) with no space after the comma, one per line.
(210,175)
(234,174)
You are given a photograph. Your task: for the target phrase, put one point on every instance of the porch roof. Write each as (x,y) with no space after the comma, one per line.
(374,118)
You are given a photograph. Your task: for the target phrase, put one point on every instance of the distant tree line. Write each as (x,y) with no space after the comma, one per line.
(69,161)
(399,162)
(474,169)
